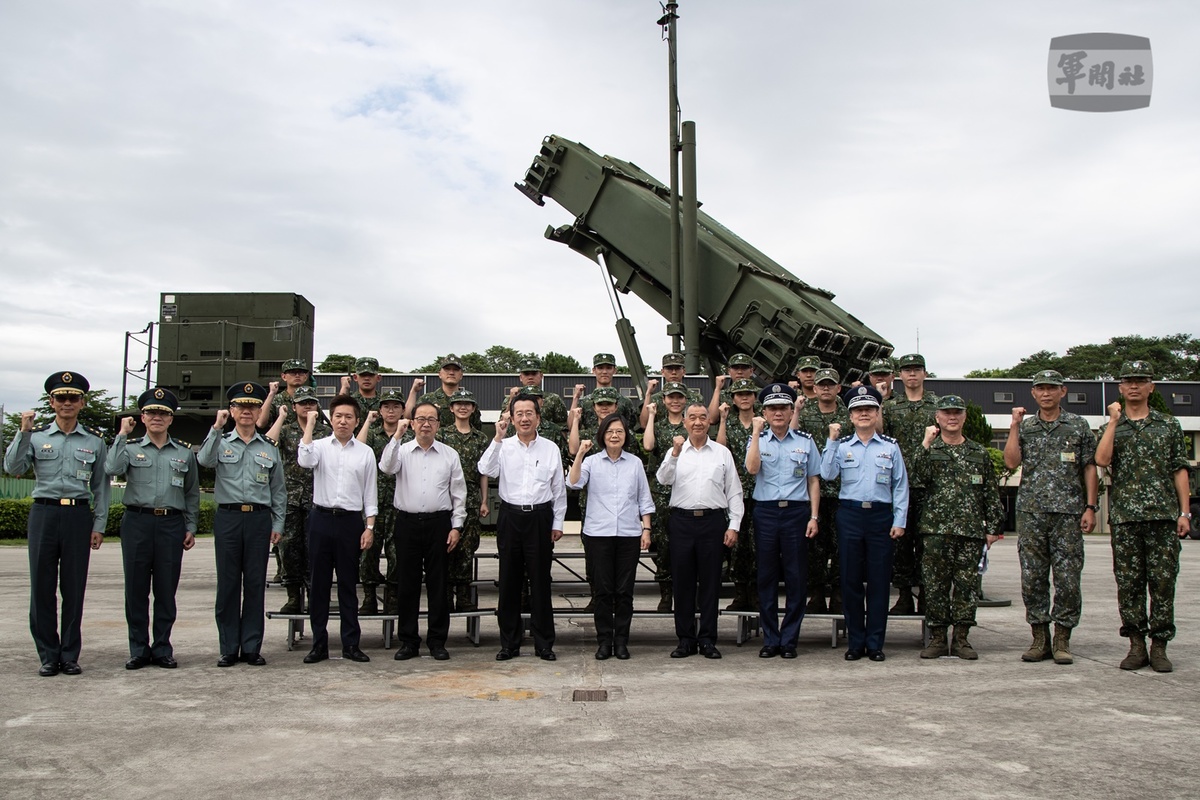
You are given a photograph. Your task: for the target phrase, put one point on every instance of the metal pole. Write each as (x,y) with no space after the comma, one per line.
(668,21)
(691,248)
(149,353)
(125,372)
(222,387)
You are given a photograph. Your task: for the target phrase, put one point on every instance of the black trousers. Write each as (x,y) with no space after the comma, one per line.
(243,546)
(614,564)
(866,550)
(524,545)
(421,542)
(333,544)
(152,554)
(697,545)
(60,546)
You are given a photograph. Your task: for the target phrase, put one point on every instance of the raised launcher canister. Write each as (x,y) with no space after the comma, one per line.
(748,302)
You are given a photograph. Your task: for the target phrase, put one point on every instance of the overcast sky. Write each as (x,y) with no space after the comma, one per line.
(901,155)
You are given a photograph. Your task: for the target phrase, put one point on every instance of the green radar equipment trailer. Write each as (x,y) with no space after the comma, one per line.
(746,302)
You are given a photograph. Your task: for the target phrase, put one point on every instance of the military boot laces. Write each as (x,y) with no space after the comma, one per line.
(292,606)
(960,646)
(1062,645)
(1137,657)
(1040,649)
(937,643)
(1158,656)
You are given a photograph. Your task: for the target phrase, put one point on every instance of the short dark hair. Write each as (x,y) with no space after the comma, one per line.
(345,400)
(526,398)
(608,422)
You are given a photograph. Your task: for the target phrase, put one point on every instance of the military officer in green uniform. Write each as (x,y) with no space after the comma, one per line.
(251,505)
(905,418)
(66,520)
(470,443)
(553,407)
(379,428)
(735,429)
(366,385)
(1056,506)
(1146,453)
(962,518)
(673,370)
(604,367)
(450,375)
(282,393)
(824,573)
(740,368)
(658,440)
(162,506)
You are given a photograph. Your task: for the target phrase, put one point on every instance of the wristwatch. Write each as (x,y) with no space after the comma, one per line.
(371,527)
(1184,516)
(1092,507)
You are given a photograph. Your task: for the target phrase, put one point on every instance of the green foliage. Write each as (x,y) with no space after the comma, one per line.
(1174,357)
(96,414)
(1002,472)
(995,372)
(558,364)
(1156,401)
(343,363)
(14,518)
(499,359)
(976,427)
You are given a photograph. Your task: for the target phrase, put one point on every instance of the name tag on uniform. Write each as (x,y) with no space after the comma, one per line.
(884,478)
(767,455)
(976,480)
(262,477)
(83,474)
(1067,458)
(798,471)
(177,480)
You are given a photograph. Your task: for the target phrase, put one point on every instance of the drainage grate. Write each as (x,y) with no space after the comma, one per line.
(589,696)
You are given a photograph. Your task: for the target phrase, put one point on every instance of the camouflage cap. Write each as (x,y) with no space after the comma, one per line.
(394,396)
(808,362)
(158,399)
(462,395)
(452,360)
(601,359)
(66,383)
(366,366)
(1048,377)
(673,360)
(911,360)
(949,402)
(1137,369)
(304,394)
(881,366)
(740,360)
(295,365)
(531,391)
(827,374)
(246,394)
(674,387)
(530,365)
(743,385)
(605,394)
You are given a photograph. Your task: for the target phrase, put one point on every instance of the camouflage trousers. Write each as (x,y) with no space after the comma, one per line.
(460,564)
(1146,557)
(384,544)
(659,541)
(950,570)
(743,562)
(293,547)
(1050,543)
(824,572)
(908,565)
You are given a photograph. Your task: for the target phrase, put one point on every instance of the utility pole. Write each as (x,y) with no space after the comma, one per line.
(667,23)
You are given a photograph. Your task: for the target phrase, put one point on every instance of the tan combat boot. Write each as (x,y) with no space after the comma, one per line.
(1040,649)
(292,606)
(960,646)
(905,606)
(937,646)
(664,605)
(463,600)
(1158,656)
(1137,657)
(370,603)
(1062,645)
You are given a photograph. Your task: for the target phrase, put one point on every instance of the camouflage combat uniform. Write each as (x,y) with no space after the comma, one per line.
(293,546)
(824,572)
(366,404)
(1050,502)
(461,561)
(743,562)
(1143,510)
(445,416)
(625,408)
(384,541)
(962,507)
(553,408)
(664,440)
(906,421)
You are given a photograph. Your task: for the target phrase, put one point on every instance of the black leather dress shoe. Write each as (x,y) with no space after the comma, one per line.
(876,655)
(788,652)
(71,668)
(505,654)
(227,660)
(439,652)
(404,652)
(254,659)
(50,670)
(137,662)
(355,654)
(683,650)
(621,651)
(603,652)
(709,650)
(166,662)
(547,655)
(316,654)
(769,651)
(854,654)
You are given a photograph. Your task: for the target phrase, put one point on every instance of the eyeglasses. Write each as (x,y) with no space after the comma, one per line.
(425,420)
(68,398)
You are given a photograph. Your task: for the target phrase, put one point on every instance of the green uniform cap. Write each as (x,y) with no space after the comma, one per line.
(1137,369)
(532,391)
(1048,377)
(305,394)
(452,361)
(674,387)
(951,401)
(531,365)
(605,394)
(248,394)
(366,366)
(827,374)
(911,360)
(295,365)
(743,385)
(158,399)
(391,396)
(66,383)
(601,359)
(673,360)
(740,360)
(808,362)
(881,366)
(463,396)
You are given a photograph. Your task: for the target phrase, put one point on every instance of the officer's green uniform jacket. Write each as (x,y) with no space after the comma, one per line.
(155,477)
(1146,455)
(963,493)
(445,416)
(1054,457)
(247,472)
(66,465)
(365,404)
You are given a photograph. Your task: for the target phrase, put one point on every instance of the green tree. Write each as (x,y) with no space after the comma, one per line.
(559,364)
(343,364)
(1174,357)
(96,414)
(976,427)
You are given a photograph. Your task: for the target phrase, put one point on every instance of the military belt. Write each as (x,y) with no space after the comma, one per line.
(865,504)
(245,508)
(158,512)
(697,512)
(523,508)
(61,501)
(421,516)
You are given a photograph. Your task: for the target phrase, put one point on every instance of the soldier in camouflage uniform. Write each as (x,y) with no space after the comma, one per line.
(882,375)
(672,372)
(293,547)
(604,367)
(737,424)
(740,368)
(1056,506)
(962,518)
(366,385)
(450,375)
(814,418)
(806,379)
(905,418)
(470,443)
(657,442)
(295,374)
(553,408)
(379,427)
(1147,455)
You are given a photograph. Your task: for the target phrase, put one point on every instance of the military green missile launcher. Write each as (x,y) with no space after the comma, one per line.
(747,302)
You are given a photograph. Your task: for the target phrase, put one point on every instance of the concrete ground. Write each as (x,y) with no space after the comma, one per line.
(472,727)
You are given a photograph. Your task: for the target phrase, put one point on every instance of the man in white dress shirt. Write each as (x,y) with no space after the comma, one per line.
(533,504)
(430,501)
(344,494)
